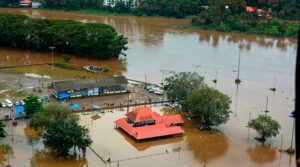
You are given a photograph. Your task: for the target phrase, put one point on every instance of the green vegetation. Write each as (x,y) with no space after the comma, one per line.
(32,105)
(85,39)
(265,126)
(65,65)
(180,85)
(67,58)
(220,15)
(210,106)
(62,129)
(284,9)
(222,19)
(17,93)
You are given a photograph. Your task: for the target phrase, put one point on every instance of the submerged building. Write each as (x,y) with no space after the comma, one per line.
(89,87)
(143,123)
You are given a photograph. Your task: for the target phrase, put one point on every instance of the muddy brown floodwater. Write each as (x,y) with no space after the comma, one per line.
(156,47)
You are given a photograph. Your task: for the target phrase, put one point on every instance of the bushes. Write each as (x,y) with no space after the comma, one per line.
(91,39)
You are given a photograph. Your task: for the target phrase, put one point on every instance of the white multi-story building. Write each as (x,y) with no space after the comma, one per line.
(112,3)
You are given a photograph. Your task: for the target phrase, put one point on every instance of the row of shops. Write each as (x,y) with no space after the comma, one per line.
(89,87)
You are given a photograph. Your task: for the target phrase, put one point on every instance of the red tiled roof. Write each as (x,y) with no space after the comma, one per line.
(158,130)
(151,131)
(163,124)
(249,9)
(25,1)
(140,114)
(259,10)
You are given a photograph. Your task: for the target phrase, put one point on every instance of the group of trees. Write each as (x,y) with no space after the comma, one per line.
(285,9)
(209,106)
(62,131)
(85,39)
(235,18)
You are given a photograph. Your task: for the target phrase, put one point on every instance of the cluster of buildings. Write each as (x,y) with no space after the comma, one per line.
(111,3)
(29,3)
(260,12)
(141,123)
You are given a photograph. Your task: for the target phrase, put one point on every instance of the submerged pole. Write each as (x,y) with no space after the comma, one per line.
(267,102)
(237,80)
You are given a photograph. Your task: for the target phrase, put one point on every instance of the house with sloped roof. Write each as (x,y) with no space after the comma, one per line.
(89,87)
(143,123)
(25,3)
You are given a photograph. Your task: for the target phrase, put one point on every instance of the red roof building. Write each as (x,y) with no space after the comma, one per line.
(143,123)
(249,9)
(25,2)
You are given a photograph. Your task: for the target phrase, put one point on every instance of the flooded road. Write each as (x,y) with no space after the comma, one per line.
(156,47)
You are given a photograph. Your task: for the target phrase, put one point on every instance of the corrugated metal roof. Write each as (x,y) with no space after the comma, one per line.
(59,86)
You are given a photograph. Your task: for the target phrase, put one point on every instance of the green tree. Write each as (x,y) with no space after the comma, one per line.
(62,129)
(67,58)
(180,85)
(2,130)
(84,39)
(64,134)
(265,126)
(210,106)
(32,105)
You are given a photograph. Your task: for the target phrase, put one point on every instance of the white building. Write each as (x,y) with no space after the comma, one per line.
(112,3)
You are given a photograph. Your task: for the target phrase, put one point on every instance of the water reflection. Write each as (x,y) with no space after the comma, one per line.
(262,154)
(206,146)
(142,146)
(236,100)
(44,159)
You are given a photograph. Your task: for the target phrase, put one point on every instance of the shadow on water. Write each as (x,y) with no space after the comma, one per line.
(262,154)
(205,145)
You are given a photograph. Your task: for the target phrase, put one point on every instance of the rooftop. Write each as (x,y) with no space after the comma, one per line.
(164,125)
(59,86)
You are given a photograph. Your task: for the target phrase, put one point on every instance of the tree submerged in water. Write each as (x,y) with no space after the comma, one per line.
(265,126)
(180,85)
(62,130)
(209,106)
(94,40)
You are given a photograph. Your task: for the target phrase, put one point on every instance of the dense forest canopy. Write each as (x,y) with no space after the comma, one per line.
(84,39)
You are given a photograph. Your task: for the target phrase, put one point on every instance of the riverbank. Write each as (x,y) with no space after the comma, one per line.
(182,23)
(277,28)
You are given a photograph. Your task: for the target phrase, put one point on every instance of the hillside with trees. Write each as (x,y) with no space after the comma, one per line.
(94,40)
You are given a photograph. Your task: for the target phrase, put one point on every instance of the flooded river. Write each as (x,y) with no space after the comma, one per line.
(156,47)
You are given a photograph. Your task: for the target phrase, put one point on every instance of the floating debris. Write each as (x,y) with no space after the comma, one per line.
(95,117)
